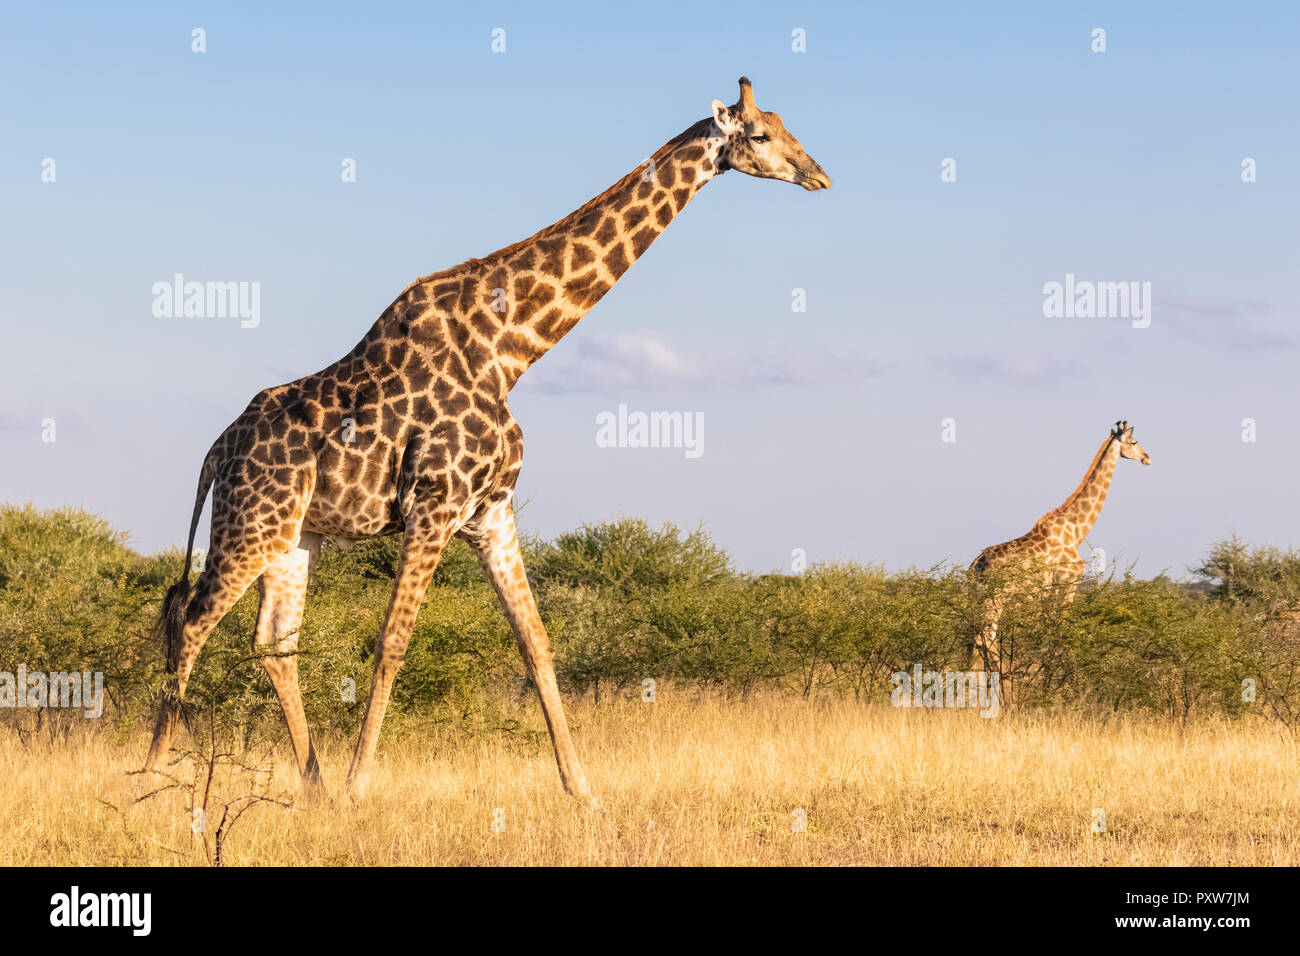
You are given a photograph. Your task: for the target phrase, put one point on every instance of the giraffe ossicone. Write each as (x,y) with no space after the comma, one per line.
(1050,550)
(411,432)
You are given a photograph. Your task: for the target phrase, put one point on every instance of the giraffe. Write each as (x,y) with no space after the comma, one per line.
(1051,547)
(411,432)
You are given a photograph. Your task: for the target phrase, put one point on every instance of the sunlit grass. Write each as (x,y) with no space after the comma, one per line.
(694,779)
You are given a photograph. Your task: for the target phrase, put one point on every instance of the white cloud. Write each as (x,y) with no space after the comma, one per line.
(638,361)
(1028,370)
(1240,325)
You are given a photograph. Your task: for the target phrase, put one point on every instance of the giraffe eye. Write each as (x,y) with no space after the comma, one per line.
(760,138)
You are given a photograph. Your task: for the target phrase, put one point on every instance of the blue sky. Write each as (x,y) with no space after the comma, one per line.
(822,428)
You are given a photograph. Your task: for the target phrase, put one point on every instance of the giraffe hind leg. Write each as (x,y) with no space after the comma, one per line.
(283,590)
(243,545)
(222,583)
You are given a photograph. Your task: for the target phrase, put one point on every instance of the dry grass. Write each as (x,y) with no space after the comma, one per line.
(696,780)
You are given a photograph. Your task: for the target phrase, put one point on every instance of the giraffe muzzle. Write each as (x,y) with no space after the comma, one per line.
(813,179)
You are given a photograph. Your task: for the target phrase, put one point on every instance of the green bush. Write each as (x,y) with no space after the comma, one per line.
(624,602)
(73,598)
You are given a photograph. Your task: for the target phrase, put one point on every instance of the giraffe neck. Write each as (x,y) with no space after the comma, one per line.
(526,297)
(1082,509)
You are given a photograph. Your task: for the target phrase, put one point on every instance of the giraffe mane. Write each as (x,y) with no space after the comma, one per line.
(1087,475)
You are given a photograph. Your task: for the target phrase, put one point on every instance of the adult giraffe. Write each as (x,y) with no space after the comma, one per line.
(410,432)
(1051,546)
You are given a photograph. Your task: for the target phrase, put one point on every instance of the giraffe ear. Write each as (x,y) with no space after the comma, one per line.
(723,118)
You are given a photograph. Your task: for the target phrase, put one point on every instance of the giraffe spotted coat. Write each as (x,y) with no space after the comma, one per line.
(411,431)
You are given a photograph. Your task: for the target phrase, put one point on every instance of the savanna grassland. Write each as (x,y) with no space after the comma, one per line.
(1150,722)
(699,780)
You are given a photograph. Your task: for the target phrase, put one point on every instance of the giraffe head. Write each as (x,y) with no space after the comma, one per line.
(1128,446)
(758,144)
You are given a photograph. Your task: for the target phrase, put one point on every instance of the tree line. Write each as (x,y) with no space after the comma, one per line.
(625,603)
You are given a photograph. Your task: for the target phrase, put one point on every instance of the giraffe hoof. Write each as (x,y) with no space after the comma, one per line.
(314,792)
(356,790)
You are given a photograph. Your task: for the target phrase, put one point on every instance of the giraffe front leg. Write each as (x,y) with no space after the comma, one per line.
(496,543)
(422,546)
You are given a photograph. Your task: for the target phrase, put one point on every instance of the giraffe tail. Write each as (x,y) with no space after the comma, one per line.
(171,623)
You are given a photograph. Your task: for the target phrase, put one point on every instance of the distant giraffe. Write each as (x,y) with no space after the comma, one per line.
(1052,545)
(410,432)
